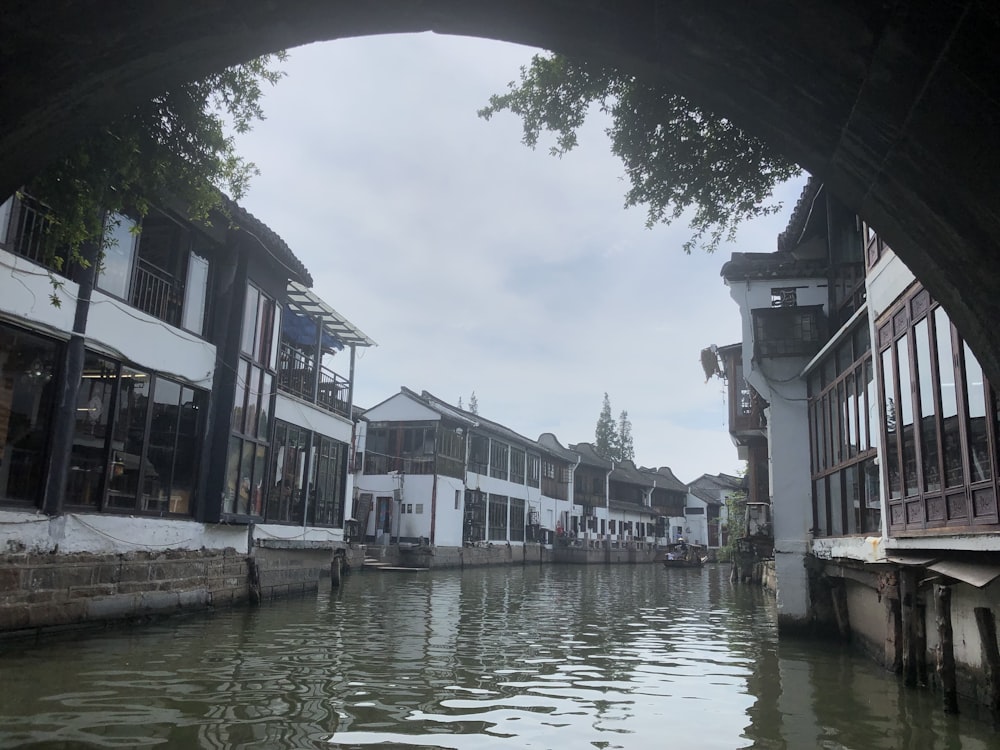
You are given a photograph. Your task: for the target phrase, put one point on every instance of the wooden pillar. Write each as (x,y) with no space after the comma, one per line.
(920,642)
(907,611)
(336,571)
(987,625)
(894,636)
(946,650)
(838,596)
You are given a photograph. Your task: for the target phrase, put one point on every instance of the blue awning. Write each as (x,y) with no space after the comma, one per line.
(301,330)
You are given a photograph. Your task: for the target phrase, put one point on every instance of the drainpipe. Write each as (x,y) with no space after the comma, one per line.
(572,490)
(353,453)
(607,504)
(69,387)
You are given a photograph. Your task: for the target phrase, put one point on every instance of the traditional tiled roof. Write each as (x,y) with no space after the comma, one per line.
(550,443)
(707,486)
(626,471)
(665,479)
(269,240)
(479,421)
(788,239)
(590,457)
(777,265)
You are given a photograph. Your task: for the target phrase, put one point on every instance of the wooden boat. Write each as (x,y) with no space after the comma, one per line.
(684,555)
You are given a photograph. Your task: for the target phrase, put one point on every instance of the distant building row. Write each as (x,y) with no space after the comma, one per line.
(432,473)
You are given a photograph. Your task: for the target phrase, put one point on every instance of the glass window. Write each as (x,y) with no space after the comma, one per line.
(534,469)
(161,450)
(89,457)
(923,371)
(979,445)
(115,276)
(231,489)
(195,294)
(328,471)
(954,472)
(249,328)
(906,427)
(27,364)
(891,438)
(128,438)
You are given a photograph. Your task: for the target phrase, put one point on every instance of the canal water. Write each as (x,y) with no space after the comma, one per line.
(505,658)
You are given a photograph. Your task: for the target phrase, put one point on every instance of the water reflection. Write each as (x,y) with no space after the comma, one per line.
(619,657)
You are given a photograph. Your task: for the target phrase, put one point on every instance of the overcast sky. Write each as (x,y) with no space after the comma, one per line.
(477,264)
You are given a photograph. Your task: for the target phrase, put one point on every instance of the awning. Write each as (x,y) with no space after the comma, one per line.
(303,300)
(921,560)
(975,574)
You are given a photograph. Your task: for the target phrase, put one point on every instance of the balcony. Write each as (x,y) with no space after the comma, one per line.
(28,234)
(300,374)
(157,292)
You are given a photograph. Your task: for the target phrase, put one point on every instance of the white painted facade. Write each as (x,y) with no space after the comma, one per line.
(112,326)
(780,383)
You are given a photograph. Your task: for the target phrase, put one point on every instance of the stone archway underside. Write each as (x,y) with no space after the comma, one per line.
(895,105)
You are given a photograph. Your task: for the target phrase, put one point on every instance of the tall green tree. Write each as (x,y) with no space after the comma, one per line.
(678,157)
(177,147)
(605,437)
(474,403)
(626,448)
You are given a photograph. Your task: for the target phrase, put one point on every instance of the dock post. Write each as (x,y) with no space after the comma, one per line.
(946,650)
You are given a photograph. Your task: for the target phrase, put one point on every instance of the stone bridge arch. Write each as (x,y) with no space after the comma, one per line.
(896,105)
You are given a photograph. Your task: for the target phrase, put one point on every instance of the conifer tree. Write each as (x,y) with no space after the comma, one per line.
(605,437)
(473,403)
(626,449)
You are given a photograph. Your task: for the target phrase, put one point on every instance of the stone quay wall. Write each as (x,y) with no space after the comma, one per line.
(51,590)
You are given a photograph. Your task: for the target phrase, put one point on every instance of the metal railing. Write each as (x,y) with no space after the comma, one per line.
(156,292)
(298,373)
(29,235)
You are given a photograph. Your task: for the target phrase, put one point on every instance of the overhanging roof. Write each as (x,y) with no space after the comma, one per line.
(302,299)
(976,574)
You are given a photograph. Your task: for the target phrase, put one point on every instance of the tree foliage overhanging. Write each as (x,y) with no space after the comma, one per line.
(677,157)
(177,146)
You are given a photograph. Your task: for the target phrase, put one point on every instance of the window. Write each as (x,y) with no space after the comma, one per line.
(841,407)
(533,470)
(326,504)
(479,454)
(938,422)
(788,331)
(136,443)
(450,453)
(243,493)
(286,491)
(517,519)
(195,294)
(517,465)
(694,511)
(115,275)
(497,513)
(499,453)
(26,402)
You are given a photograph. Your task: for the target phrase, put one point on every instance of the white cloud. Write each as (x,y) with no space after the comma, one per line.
(480,265)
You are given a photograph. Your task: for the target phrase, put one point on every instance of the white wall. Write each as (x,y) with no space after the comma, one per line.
(778,383)
(107,534)
(401,408)
(698,524)
(449,520)
(290,409)
(417,489)
(122,331)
